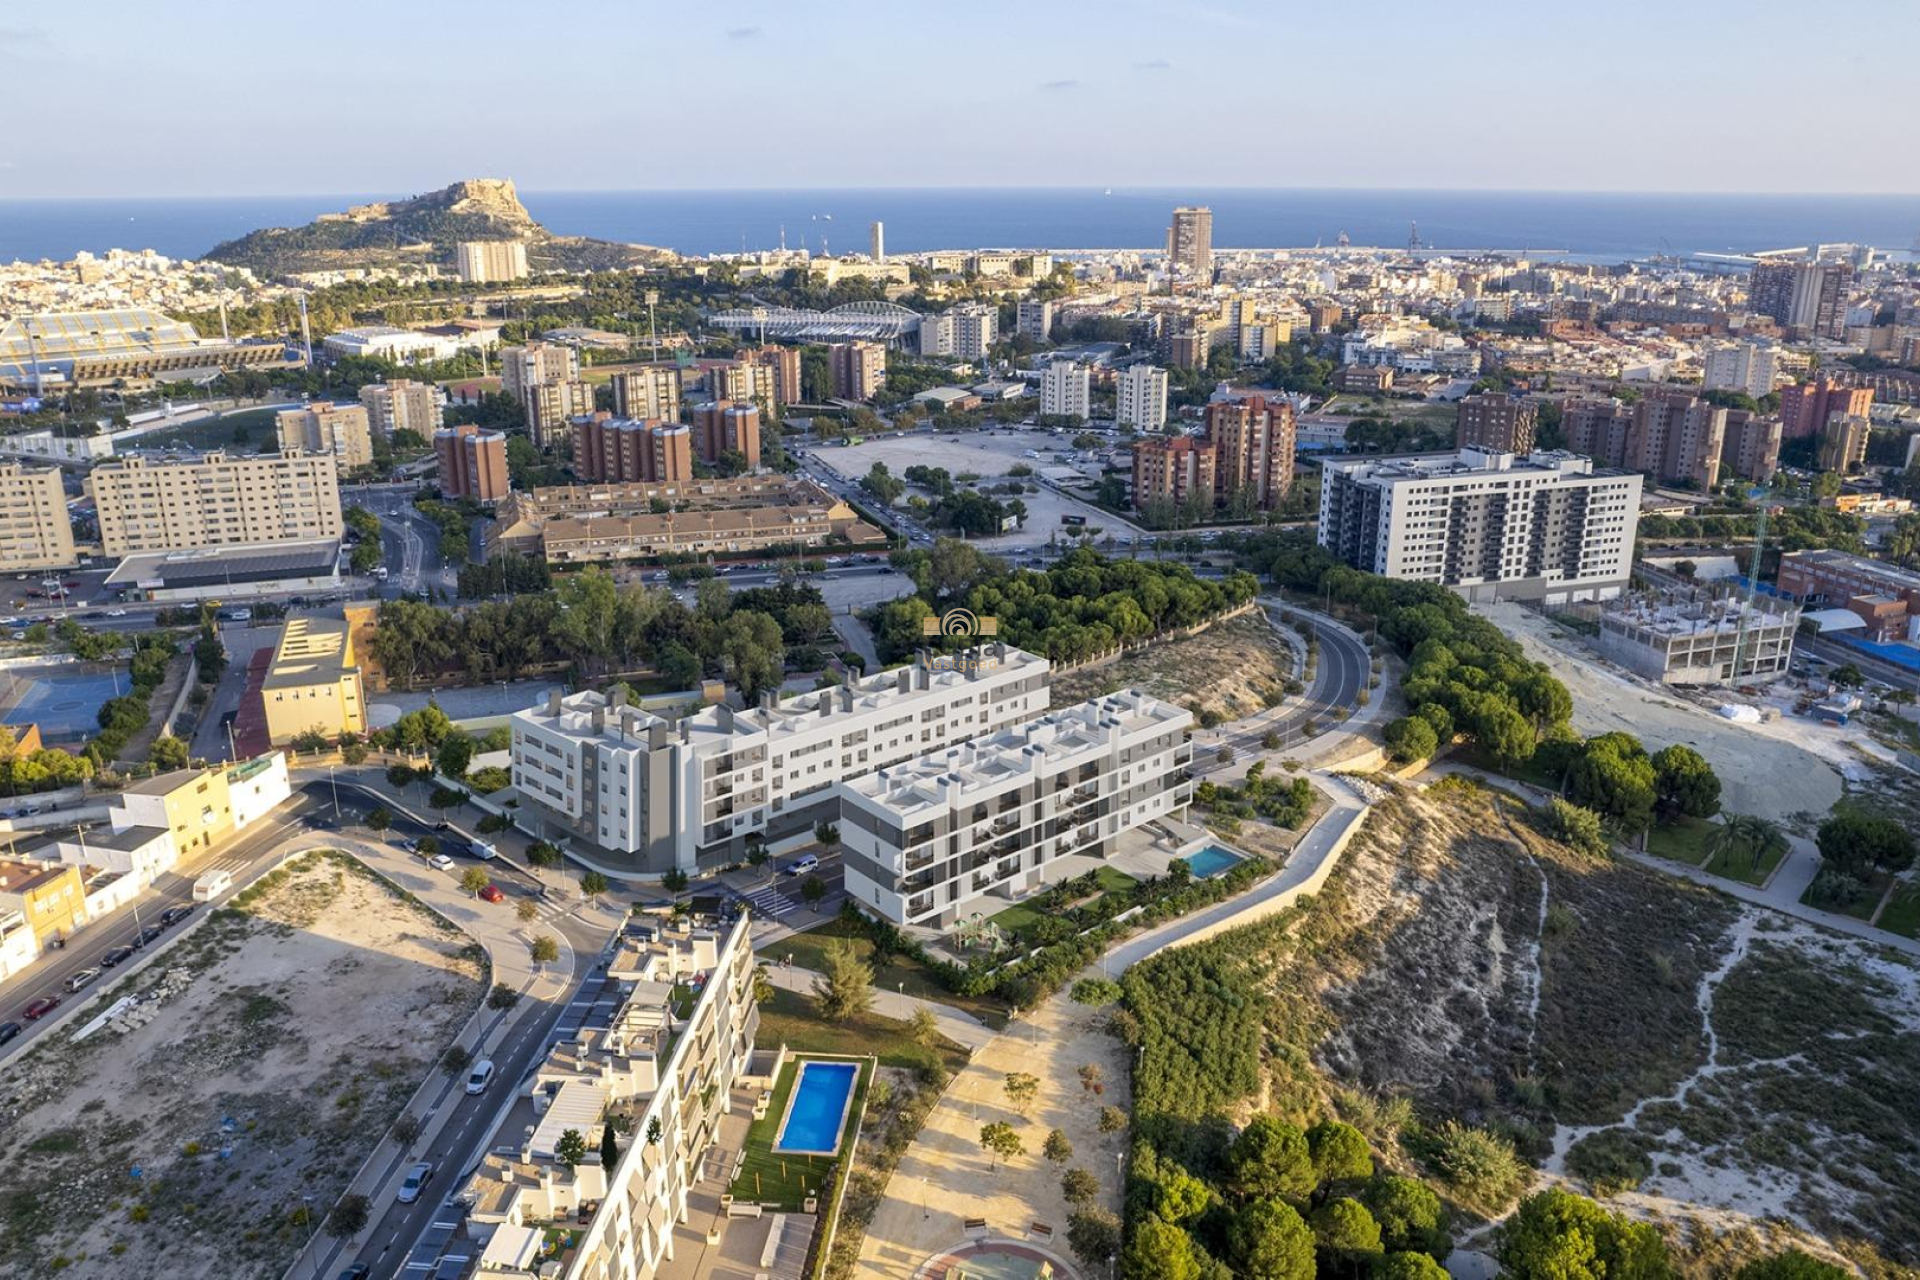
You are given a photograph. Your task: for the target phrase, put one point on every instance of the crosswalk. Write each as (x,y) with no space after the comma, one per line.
(770,903)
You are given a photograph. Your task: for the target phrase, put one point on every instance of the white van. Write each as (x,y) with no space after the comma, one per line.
(211,885)
(480,1077)
(484,850)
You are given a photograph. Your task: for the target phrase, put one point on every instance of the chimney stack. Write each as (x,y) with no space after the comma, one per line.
(553,702)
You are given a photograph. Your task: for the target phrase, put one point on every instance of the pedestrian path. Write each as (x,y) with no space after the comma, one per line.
(769,903)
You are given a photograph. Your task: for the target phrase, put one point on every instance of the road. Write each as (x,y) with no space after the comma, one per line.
(1342,673)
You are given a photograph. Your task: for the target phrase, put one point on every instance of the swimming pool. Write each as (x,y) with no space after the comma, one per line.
(817,1111)
(1211,861)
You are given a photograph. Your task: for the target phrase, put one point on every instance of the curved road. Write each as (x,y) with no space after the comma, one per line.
(1337,681)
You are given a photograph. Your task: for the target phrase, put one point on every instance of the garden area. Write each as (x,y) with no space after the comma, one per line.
(784,1180)
(1742,847)
(1049,916)
(892,971)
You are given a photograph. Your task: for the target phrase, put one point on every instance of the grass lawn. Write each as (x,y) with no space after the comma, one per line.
(216,433)
(1736,865)
(1863,908)
(898,974)
(789,1019)
(1683,840)
(1902,915)
(786,1180)
(1021,916)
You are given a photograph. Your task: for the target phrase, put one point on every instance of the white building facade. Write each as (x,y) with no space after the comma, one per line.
(1140,397)
(969,828)
(1064,390)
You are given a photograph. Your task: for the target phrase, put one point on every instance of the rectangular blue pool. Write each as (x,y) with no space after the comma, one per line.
(817,1111)
(1211,861)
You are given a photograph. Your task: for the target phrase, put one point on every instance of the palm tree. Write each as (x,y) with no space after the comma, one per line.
(1758,836)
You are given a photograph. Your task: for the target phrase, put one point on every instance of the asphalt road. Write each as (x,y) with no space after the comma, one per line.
(1337,681)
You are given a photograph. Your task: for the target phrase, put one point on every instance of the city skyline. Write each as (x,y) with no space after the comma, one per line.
(1051,77)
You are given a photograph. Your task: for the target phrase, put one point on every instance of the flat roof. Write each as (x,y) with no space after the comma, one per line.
(249,562)
(313,649)
(163,784)
(1859,564)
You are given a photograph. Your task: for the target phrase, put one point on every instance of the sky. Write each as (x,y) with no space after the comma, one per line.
(113,98)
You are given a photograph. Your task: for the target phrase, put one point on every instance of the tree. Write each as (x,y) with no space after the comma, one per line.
(592,885)
(527,910)
(380,818)
(1574,825)
(426,846)
(1161,1251)
(609,1146)
(1613,776)
(1749,833)
(1556,1235)
(571,1149)
(1410,1215)
(544,950)
(1269,1241)
(999,1140)
(1270,1158)
(168,752)
(1094,1236)
(1181,1196)
(1345,1230)
(812,889)
(1021,1089)
(1057,1147)
(473,880)
(1079,1187)
(827,834)
(1847,676)
(1407,1266)
(455,755)
(348,1216)
(1685,783)
(1338,1153)
(1091,1077)
(1856,843)
(400,775)
(1112,1120)
(541,853)
(1792,1265)
(1411,738)
(843,990)
(923,1026)
(752,652)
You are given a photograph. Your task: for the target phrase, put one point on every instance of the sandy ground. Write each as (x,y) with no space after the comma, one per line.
(946,1178)
(281,1043)
(990,456)
(1229,669)
(1773,770)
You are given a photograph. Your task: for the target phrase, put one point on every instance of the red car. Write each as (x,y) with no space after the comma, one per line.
(492,893)
(41,1008)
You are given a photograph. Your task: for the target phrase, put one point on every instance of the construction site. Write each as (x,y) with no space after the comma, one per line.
(1699,636)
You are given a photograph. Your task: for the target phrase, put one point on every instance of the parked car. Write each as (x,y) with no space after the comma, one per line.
(174,915)
(8,1030)
(416,1182)
(358,1271)
(803,864)
(443,825)
(116,613)
(82,980)
(148,934)
(480,1077)
(493,893)
(115,956)
(440,862)
(40,1008)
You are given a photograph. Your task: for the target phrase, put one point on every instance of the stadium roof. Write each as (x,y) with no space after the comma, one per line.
(875,321)
(104,346)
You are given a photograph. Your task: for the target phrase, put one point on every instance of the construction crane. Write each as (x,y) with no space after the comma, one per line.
(1753,582)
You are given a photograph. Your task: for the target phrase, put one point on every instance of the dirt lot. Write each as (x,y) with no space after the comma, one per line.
(1226,672)
(1763,769)
(1732,1075)
(284,1036)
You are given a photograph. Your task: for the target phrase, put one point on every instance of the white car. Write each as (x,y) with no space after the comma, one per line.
(480,1078)
(116,613)
(417,1179)
(440,862)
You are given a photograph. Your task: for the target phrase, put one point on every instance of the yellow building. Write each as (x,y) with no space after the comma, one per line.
(50,895)
(194,804)
(35,530)
(313,685)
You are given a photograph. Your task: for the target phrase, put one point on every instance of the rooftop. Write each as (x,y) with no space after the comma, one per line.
(165,784)
(1468,462)
(20,877)
(1905,578)
(313,650)
(1037,748)
(250,562)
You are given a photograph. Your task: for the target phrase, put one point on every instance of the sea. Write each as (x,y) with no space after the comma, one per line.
(1591,226)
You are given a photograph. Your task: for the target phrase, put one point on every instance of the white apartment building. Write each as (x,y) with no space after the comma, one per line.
(1034,319)
(214,500)
(1750,368)
(665,1081)
(343,430)
(690,792)
(1548,526)
(35,530)
(485,261)
(1140,397)
(1064,390)
(965,332)
(402,405)
(988,820)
